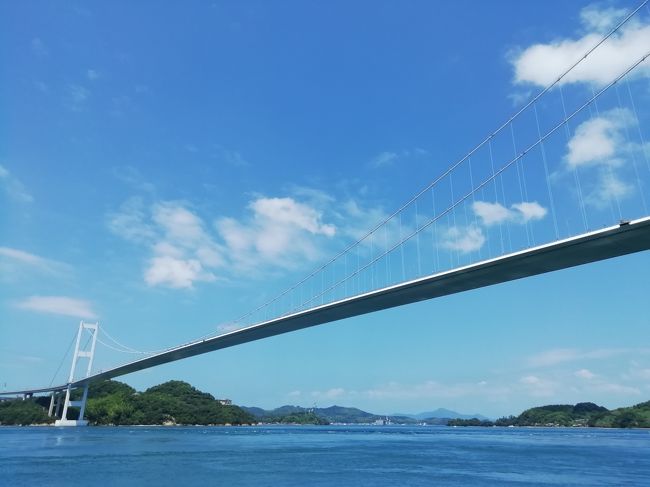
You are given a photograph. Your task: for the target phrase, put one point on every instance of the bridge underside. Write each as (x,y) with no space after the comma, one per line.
(603,244)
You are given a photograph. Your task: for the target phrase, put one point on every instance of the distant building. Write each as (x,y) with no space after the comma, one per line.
(225,402)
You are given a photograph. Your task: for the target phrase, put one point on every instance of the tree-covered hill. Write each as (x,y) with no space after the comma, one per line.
(637,416)
(19,412)
(332,414)
(582,414)
(115,403)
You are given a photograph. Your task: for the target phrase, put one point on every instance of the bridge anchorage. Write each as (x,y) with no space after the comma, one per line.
(79,352)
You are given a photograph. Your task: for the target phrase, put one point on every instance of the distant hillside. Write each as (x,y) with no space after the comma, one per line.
(581,414)
(442,413)
(115,403)
(332,414)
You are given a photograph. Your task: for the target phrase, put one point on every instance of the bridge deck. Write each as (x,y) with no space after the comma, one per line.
(590,247)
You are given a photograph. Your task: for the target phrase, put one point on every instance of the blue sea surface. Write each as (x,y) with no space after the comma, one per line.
(323,456)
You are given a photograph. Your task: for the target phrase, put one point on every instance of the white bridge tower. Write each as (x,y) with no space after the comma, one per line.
(88,353)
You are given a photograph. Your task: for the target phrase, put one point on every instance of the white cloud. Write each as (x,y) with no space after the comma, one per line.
(640,373)
(599,143)
(286,211)
(130,222)
(12,257)
(183,251)
(491,213)
(132,176)
(13,188)
(176,273)
(294,394)
(465,239)
(529,210)
(520,97)
(494,213)
(178,223)
(538,387)
(388,158)
(612,388)
(92,74)
(229,156)
(608,186)
(562,355)
(333,393)
(599,139)
(22,256)
(433,389)
(384,159)
(541,64)
(277,232)
(584,374)
(356,220)
(599,19)
(281,231)
(60,305)
(76,97)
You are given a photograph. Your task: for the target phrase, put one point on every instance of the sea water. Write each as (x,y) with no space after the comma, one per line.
(323,456)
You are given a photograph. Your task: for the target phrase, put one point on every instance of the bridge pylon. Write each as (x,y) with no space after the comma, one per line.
(79,352)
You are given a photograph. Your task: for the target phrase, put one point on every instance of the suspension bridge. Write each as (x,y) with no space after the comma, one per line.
(563,182)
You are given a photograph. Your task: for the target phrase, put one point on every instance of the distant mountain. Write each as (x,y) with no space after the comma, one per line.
(339,414)
(333,414)
(442,413)
(256,412)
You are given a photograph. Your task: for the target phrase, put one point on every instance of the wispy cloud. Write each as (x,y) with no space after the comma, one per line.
(19,259)
(131,221)
(541,64)
(599,147)
(598,19)
(538,387)
(275,233)
(334,393)
(92,74)
(184,250)
(60,305)
(495,213)
(384,159)
(463,238)
(584,374)
(599,140)
(13,188)
(132,177)
(76,97)
(38,47)
(557,356)
(389,158)
(279,231)
(433,389)
(228,156)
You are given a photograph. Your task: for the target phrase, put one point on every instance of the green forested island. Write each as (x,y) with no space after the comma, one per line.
(178,403)
(116,403)
(581,414)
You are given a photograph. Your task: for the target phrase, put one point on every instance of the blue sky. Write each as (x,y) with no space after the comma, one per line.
(165,168)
